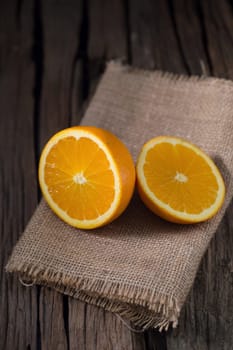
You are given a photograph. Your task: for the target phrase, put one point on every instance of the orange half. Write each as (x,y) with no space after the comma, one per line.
(178,181)
(87,176)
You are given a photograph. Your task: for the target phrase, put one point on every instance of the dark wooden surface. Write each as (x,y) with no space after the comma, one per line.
(52,54)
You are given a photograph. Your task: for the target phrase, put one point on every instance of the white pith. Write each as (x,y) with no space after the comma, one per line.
(180,177)
(79,178)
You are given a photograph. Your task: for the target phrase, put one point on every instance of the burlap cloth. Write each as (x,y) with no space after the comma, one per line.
(139,266)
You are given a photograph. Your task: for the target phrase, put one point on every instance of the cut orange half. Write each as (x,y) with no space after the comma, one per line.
(178,181)
(87,176)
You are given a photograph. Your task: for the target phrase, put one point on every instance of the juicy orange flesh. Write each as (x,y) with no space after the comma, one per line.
(79,179)
(181,178)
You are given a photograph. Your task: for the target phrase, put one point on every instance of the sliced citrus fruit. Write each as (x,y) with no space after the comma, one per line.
(87,176)
(178,181)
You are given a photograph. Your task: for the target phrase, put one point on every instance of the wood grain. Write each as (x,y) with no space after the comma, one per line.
(206,321)
(93,328)
(18,194)
(52,326)
(61,26)
(153,37)
(52,55)
(60,39)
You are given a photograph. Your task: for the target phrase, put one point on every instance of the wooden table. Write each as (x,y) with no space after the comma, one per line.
(52,54)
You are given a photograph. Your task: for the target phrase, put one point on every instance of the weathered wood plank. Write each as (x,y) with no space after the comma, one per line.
(107,37)
(18,192)
(206,321)
(107,30)
(52,327)
(61,22)
(91,327)
(153,37)
(61,27)
(190,31)
(218,19)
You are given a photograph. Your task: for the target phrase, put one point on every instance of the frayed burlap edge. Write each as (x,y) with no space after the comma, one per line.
(120,66)
(159,311)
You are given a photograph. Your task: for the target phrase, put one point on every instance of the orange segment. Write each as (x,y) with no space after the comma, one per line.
(87,176)
(74,178)
(178,181)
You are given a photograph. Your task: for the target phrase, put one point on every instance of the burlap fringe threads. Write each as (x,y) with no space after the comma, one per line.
(158,311)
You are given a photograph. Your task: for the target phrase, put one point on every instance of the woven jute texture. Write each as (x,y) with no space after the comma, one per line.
(139,266)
